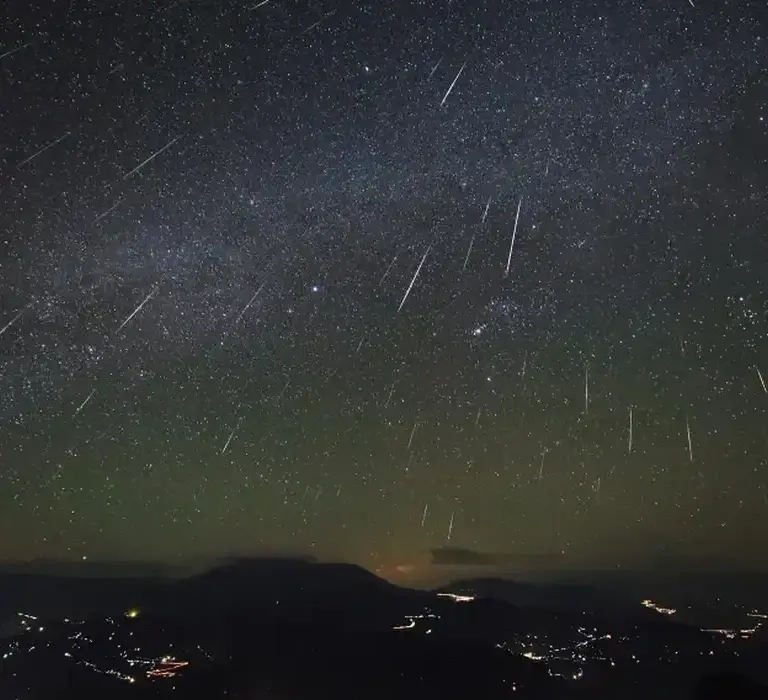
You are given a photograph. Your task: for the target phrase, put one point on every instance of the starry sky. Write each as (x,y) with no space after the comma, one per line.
(371,279)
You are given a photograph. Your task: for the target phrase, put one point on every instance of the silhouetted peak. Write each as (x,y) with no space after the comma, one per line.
(284,576)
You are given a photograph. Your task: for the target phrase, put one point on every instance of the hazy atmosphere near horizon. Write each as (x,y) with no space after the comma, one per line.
(369,280)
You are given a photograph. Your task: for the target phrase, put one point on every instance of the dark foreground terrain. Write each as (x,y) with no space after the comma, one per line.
(296,629)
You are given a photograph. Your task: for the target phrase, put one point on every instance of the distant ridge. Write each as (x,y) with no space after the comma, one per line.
(570,597)
(250,583)
(236,583)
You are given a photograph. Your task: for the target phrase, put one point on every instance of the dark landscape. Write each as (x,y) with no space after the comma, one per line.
(296,628)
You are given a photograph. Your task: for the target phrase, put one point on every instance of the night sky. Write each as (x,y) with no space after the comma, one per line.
(368,279)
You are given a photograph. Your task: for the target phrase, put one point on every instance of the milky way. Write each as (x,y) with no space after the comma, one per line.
(265,286)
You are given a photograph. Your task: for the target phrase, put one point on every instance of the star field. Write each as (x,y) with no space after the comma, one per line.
(369,279)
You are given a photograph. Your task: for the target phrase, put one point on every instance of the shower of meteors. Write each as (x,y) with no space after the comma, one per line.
(389,397)
(83,404)
(762,381)
(12,51)
(514,235)
(586,388)
(469,252)
(248,305)
(413,281)
(12,321)
(231,435)
(42,150)
(150,159)
(138,308)
(435,67)
(485,212)
(413,432)
(455,80)
(325,366)
(472,240)
(389,267)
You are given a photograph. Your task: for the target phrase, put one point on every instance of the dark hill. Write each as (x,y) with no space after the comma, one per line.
(70,596)
(271,574)
(281,584)
(571,598)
